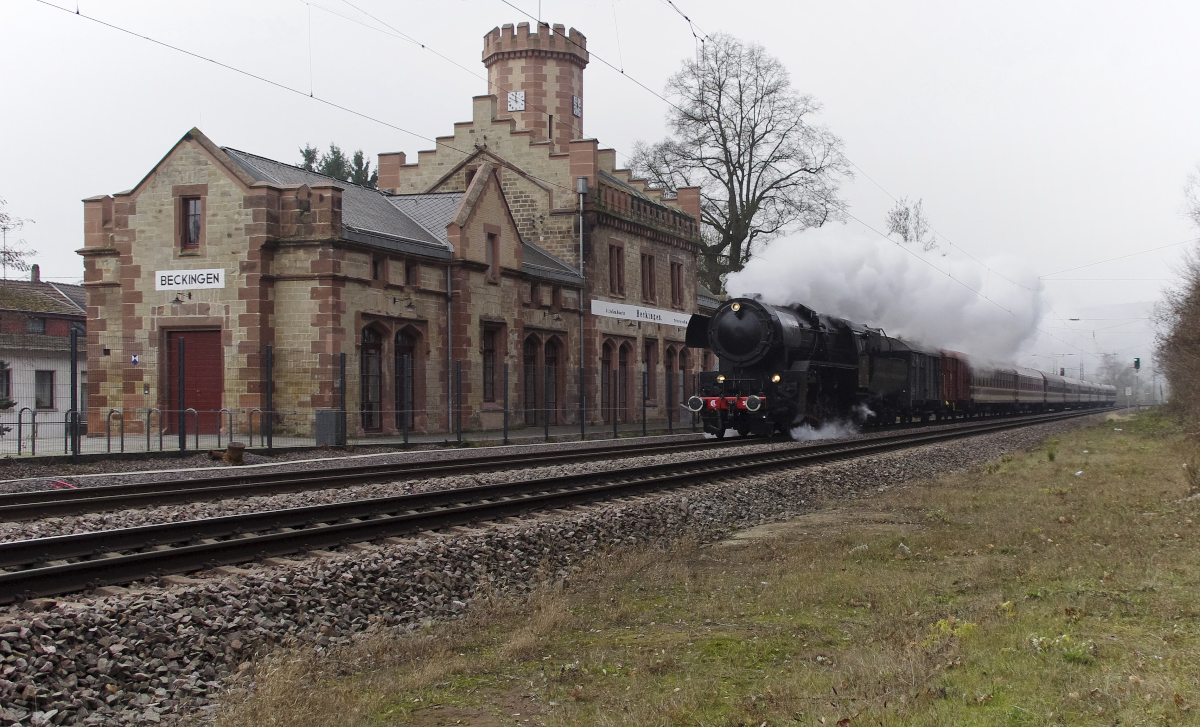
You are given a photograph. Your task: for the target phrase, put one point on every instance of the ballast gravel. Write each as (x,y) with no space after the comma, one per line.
(161,653)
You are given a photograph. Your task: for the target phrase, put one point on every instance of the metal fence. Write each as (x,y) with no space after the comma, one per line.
(355,406)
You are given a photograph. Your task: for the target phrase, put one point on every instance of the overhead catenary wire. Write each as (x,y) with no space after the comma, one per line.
(282,86)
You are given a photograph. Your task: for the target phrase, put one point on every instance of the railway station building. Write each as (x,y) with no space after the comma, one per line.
(511,263)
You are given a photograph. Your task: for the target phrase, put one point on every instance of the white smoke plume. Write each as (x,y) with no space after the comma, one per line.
(854,274)
(828,430)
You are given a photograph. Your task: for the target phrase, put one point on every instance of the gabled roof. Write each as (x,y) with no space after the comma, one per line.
(537,262)
(705,298)
(368,215)
(54,298)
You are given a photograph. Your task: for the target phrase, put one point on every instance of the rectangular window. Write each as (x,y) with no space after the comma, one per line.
(677,284)
(616,269)
(43,389)
(489,364)
(35,325)
(376,268)
(6,382)
(191,223)
(535,294)
(649,294)
(412,273)
(493,256)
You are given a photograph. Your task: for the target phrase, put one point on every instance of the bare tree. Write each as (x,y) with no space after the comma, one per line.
(909,222)
(741,133)
(13,253)
(1177,317)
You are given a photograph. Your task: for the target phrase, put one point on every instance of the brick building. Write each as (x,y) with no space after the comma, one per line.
(468,259)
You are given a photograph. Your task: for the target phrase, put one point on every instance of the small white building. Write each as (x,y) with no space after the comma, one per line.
(36,318)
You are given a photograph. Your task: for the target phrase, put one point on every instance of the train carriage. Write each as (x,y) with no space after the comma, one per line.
(781,366)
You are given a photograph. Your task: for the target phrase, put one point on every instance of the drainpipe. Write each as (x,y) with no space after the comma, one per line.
(449,348)
(581,184)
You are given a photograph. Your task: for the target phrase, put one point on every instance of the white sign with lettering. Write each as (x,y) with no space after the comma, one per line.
(609,309)
(189,279)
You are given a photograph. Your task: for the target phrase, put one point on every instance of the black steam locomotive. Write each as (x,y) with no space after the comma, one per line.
(784,366)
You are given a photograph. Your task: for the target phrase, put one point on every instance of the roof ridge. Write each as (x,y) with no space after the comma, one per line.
(228,149)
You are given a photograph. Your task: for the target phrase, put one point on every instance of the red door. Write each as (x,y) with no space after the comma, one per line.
(203,379)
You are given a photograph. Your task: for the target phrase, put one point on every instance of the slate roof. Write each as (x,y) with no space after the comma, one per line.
(705,299)
(431,211)
(629,188)
(368,215)
(54,298)
(537,262)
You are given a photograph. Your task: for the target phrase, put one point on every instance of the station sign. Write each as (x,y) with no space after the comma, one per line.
(610,309)
(189,279)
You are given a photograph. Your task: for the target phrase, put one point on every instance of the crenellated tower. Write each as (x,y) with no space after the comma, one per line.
(537,78)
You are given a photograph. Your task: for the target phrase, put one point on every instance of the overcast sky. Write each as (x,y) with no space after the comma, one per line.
(1052,134)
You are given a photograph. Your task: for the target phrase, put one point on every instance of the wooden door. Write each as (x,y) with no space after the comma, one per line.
(203,379)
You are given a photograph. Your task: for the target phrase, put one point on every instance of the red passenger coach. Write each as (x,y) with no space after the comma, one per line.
(956,381)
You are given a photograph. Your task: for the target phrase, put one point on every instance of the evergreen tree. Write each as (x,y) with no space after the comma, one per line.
(335,163)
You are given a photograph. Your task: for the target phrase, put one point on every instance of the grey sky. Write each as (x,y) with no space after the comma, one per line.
(1057,133)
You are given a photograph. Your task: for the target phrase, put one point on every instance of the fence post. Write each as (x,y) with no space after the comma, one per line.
(405,368)
(343,435)
(505,417)
(458,399)
(612,403)
(695,392)
(182,413)
(645,392)
(546,402)
(74,422)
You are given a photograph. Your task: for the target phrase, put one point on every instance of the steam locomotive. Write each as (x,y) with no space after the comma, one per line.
(785,366)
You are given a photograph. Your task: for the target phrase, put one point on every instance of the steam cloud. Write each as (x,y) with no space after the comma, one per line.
(855,274)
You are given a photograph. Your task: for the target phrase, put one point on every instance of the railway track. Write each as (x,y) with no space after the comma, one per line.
(51,566)
(32,505)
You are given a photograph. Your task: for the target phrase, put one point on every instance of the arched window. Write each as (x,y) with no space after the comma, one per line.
(669,370)
(606,371)
(371,362)
(683,386)
(551,381)
(406,378)
(530,364)
(623,356)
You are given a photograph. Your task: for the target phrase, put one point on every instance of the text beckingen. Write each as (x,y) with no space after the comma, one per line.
(189,279)
(610,309)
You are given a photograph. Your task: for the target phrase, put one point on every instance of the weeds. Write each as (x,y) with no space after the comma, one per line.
(1007,607)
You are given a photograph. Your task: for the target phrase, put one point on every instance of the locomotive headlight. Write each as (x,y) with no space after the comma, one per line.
(775,379)
(695,403)
(736,307)
(721,378)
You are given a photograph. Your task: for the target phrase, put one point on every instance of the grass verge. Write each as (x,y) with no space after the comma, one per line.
(1054,586)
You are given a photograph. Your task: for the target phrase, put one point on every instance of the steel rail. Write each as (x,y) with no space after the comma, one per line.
(193,545)
(18,506)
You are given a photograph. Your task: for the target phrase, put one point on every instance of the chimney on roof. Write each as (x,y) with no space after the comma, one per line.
(35,274)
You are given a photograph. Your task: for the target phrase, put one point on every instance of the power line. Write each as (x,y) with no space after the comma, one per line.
(282,86)
(592,54)
(1122,257)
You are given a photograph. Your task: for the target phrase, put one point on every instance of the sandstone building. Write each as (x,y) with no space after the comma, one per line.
(480,255)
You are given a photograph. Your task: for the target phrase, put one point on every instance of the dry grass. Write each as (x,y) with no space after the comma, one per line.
(1023,594)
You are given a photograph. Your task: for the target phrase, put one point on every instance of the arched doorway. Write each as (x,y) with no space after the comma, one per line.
(406,378)
(371,370)
(551,382)
(606,372)
(529,363)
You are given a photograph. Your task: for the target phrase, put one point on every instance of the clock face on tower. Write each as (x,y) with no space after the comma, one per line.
(516,100)
(577,105)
